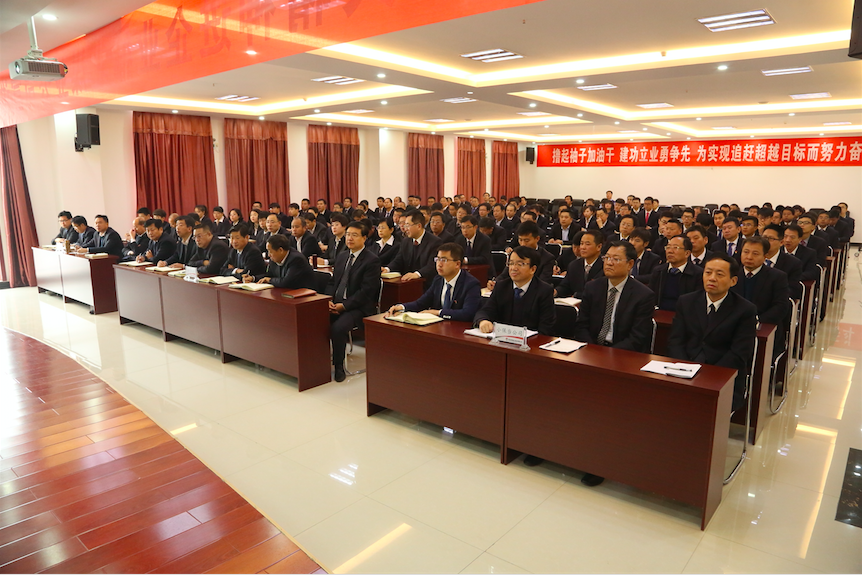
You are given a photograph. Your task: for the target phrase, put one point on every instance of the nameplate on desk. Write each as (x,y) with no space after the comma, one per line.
(190,275)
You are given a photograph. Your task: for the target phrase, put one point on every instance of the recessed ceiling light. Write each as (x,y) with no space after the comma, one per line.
(49,17)
(752,135)
(487,129)
(811,96)
(251,52)
(533,114)
(261,117)
(821,133)
(723,67)
(698,119)
(67,103)
(656,105)
(580,81)
(495,55)
(458,100)
(381,75)
(175,111)
(547,135)
(432,133)
(824,123)
(631,140)
(317,111)
(723,128)
(337,80)
(645,129)
(358,111)
(472,136)
(236,98)
(627,131)
(547,126)
(470,93)
(580,115)
(383,102)
(667,134)
(439,120)
(533,105)
(328,123)
(616,123)
(736,21)
(580,141)
(791,114)
(786,71)
(688,138)
(597,87)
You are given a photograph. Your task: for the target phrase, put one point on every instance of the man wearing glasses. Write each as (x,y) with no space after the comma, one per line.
(454,294)
(415,258)
(678,277)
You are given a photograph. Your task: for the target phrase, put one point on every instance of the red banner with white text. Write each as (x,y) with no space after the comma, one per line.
(842,151)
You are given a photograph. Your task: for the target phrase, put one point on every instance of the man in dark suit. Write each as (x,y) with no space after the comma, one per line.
(476,246)
(244,257)
(495,233)
(454,294)
(67,230)
(185,247)
(670,228)
(273,227)
(211,255)
(323,212)
(85,232)
(137,240)
(564,230)
(842,226)
(809,240)
(287,267)
(437,226)
(603,223)
(730,238)
(649,219)
(283,219)
(678,277)
(845,217)
(699,239)
(221,225)
(528,236)
(625,226)
(302,240)
(792,245)
(826,231)
(765,287)
(387,246)
(584,269)
(646,261)
(719,328)
(780,260)
(521,299)
(105,240)
(416,255)
(160,246)
(355,289)
(318,229)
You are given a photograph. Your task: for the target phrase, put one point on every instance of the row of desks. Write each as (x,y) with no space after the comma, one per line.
(592,410)
(288,335)
(77,278)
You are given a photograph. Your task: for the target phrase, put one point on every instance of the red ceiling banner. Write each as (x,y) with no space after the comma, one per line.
(843,151)
(172,41)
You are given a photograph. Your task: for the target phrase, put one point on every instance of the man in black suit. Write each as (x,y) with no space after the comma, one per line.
(273,227)
(699,239)
(221,225)
(416,255)
(649,219)
(185,246)
(283,219)
(528,236)
(780,260)
(318,229)
(676,278)
(845,217)
(625,226)
(203,217)
(437,226)
(85,233)
(765,287)
(355,289)
(826,231)
(211,255)
(105,240)
(521,299)
(495,233)
(646,261)
(730,239)
(302,240)
(387,246)
(323,212)
(603,223)
(564,230)
(719,329)
(160,246)
(842,226)
(792,245)
(476,246)
(454,294)
(809,240)
(67,230)
(137,240)
(584,269)
(287,267)
(244,258)
(669,228)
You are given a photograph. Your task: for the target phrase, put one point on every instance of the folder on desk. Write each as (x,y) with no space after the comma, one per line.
(300,292)
(415,318)
(219,280)
(252,286)
(97,256)
(561,345)
(390,275)
(569,301)
(133,264)
(478,333)
(684,370)
(159,269)
(177,274)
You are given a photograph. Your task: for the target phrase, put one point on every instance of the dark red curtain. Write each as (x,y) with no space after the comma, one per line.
(470,167)
(174,161)
(20,225)
(505,178)
(425,165)
(333,163)
(255,163)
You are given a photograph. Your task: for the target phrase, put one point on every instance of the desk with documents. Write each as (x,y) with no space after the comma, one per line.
(77,277)
(293,340)
(593,410)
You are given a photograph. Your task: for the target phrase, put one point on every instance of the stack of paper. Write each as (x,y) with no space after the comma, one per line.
(219,280)
(486,292)
(685,370)
(415,318)
(561,345)
(252,286)
(97,256)
(390,275)
(159,269)
(135,264)
(569,301)
(177,273)
(475,331)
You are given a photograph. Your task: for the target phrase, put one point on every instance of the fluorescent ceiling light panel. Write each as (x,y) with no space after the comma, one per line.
(786,71)
(656,105)
(534,114)
(811,96)
(597,87)
(439,120)
(736,21)
(495,55)
(458,100)
(338,80)
(723,128)
(359,111)
(837,123)
(547,135)
(628,131)
(236,98)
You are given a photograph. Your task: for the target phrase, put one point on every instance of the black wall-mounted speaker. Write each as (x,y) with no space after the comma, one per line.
(856,32)
(531,155)
(88,130)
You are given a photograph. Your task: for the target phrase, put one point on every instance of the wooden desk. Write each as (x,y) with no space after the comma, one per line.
(762,369)
(191,311)
(451,394)
(78,278)
(139,297)
(478,271)
(653,432)
(397,291)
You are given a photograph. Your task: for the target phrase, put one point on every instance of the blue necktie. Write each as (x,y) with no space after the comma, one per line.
(768,263)
(518,293)
(447,297)
(730,248)
(674,271)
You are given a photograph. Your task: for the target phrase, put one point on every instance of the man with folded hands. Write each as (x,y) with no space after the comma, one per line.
(287,268)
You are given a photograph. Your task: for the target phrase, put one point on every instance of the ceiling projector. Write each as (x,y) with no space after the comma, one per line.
(42,70)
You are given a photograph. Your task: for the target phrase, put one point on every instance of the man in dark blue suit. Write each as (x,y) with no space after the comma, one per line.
(287,268)
(244,257)
(416,255)
(780,260)
(792,246)
(454,294)
(476,245)
(160,246)
(355,291)
(211,255)
(730,239)
(678,277)
(85,232)
(105,240)
(302,240)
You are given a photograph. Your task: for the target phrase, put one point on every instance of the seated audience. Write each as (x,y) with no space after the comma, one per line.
(287,267)
(67,230)
(211,255)
(244,258)
(584,269)
(160,246)
(105,240)
(186,247)
(679,276)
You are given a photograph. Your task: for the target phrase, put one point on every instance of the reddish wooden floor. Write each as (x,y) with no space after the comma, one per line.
(89,484)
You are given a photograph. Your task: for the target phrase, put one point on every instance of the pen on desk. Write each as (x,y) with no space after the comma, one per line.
(680,368)
(553,343)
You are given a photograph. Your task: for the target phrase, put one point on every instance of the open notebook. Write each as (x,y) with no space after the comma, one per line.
(415,318)
(252,287)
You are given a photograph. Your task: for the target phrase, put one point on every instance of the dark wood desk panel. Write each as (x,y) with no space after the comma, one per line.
(139,296)
(397,291)
(762,369)
(594,410)
(294,340)
(445,392)
(90,281)
(191,311)
(478,271)
(48,274)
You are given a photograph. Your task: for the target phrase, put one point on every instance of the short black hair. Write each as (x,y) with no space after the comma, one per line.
(275,205)
(631,252)
(154,222)
(160,213)
(455,250)
(642,233)
(487,223)
(750,219)
(529,254)
(104,217)
(471,219)
(627,217)
(417,217)
(301,220)
(143,210)
(733,221)
(188,220)
(775,228)
(598,237)
(363,228)
(204,226)
(734,265)
(201,207)
(686,242)
(218,209)
(241,229)
(765,212)
(79,221)
(340,218)
(699,229)
(325,203)
(65,214)
(278,242)
(529,229)
(795,229)
(761,241)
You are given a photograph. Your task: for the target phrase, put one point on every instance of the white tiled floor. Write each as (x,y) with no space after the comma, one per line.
(391,494)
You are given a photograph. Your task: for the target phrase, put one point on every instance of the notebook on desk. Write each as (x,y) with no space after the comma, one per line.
(415,318)
(301,292)
(252,287)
